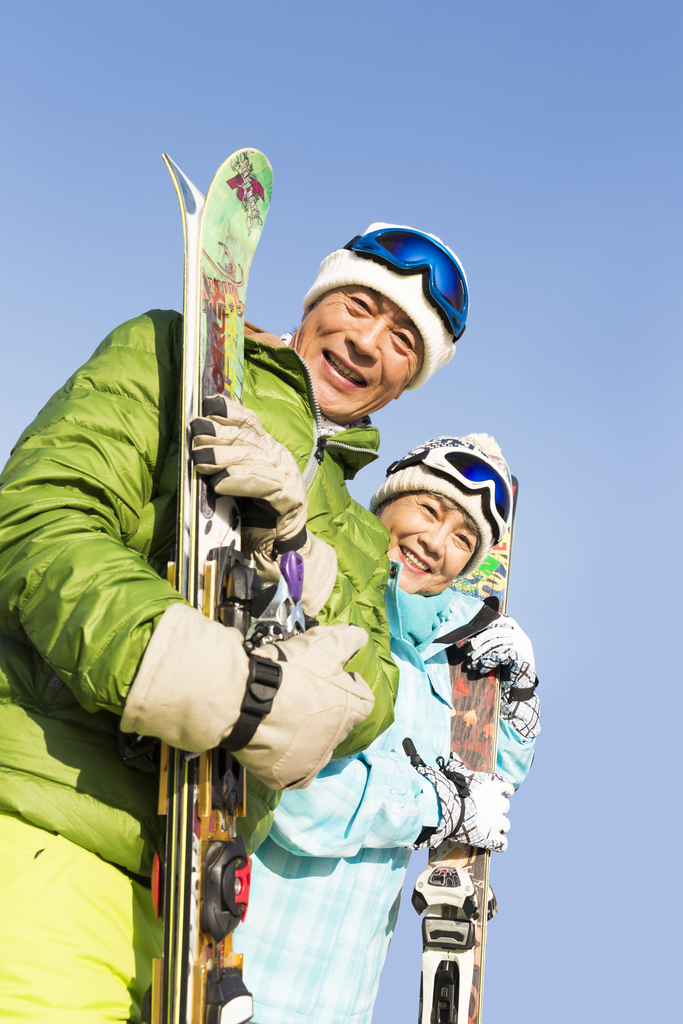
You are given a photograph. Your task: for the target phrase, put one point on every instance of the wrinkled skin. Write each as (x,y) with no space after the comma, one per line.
(362,351)
(434,543)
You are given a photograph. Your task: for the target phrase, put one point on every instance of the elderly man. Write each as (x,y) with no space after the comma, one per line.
(90,634)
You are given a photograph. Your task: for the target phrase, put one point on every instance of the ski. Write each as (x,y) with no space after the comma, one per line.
(454,893)
(202,885)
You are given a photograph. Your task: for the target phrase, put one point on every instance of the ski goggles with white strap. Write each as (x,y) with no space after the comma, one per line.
(473,472)
(411,252)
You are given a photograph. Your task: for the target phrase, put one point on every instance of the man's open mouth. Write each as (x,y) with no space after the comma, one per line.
(412,560)
(344,370)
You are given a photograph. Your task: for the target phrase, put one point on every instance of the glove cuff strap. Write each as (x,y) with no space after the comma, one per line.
(263,683)
(426,834)
(463,791)
(461,816)
(522,693)
(281,547)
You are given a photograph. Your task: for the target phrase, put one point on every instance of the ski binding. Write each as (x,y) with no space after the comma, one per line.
(447,898)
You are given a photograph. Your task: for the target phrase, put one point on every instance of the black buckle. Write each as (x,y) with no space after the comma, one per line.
(263,683)
(412,460)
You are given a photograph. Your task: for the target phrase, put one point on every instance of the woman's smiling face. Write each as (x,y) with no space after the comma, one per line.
(432,541)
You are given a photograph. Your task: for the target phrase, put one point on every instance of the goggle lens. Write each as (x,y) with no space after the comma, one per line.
(414,250)
(477,471)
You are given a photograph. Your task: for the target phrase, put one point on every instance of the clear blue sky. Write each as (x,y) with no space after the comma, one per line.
(542,141)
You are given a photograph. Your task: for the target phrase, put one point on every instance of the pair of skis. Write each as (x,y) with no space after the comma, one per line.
(454,893)
(202,884)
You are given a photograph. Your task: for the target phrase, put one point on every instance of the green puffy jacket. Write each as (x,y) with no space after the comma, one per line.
(87,523)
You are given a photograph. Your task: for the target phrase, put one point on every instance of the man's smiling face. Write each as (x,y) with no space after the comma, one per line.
(361,349)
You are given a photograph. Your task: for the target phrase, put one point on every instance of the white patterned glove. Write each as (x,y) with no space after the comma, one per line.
(503,642)
(505,645)
(473,805)
(484,822)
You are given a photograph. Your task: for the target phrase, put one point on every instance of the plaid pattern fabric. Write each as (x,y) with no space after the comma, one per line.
(450,805)
(486,801)
(523,715)
(327,882)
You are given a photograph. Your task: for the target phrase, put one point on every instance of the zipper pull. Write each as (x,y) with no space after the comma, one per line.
(320,449)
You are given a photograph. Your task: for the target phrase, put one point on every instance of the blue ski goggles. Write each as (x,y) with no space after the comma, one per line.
(412,252)
(473,473)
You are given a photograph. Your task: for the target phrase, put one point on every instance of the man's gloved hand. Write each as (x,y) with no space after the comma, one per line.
(192,682)
(505,645)
(231,447)
(315,708)
(242,460)
(320,572)
(473,806)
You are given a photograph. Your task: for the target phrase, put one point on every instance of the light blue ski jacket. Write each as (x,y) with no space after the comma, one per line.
(328,879)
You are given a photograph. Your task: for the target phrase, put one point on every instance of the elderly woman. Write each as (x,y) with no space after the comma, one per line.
(328,879)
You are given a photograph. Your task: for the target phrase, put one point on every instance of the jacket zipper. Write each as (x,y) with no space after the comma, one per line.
(318,451)
(317,455)
(331,443)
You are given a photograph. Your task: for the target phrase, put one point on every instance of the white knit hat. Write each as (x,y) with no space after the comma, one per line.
(421,478)
(343,267)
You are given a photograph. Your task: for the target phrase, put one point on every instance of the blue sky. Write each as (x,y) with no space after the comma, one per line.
(542,141)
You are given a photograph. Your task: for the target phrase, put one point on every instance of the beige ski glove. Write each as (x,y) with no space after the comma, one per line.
(320,572)
(314,710)
(196,686)
(245,462)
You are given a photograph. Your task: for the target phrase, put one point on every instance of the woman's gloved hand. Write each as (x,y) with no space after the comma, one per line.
(473,805)
(503,642)
(505,645)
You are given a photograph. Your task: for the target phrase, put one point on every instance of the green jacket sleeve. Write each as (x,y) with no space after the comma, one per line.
(360,542)
(87,513)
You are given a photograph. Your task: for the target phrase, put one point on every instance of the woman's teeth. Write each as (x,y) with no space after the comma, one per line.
(343,370)
(413,560)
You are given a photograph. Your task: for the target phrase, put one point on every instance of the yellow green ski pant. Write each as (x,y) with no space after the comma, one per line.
(77,936)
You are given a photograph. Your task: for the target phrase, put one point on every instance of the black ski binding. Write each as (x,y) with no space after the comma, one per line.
(225,888)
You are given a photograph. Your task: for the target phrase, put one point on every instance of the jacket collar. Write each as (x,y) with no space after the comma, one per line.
(283,362)
(461,610)
(354,447)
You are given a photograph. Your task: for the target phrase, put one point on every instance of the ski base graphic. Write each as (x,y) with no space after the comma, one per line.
(206,869)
